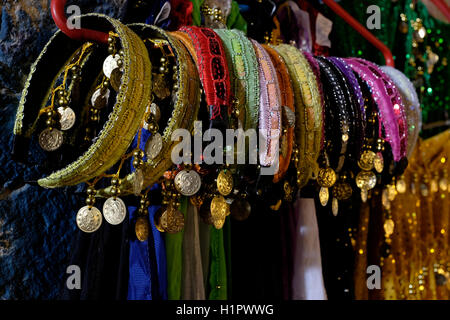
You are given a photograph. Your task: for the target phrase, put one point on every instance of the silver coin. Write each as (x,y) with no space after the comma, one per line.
(50,139)
(153,146)
(89,219)
(99,100)
(114,210)
(187,182)
(138,182)
(66,118)
(110,64)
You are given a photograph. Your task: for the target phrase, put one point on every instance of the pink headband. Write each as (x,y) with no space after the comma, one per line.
(270,107)
(389,102)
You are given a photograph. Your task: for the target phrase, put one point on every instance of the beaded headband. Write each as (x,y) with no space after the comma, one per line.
(123,121)
(308,131)
(270,108)
(214,75)
(288,121)
(185,108)
(388,100)
(244,75)
(411,102)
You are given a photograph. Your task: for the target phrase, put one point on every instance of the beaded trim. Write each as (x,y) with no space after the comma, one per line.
(244,74)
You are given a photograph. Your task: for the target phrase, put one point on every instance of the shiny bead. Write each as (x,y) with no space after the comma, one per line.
(90,191)
(90,201)
(114,181)
(119,62)
(114,191)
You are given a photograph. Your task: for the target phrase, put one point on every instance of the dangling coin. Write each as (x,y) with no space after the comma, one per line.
(335,206)
(161,86)
(378,162)
(153,146)
(116,78)
(218,208)
(366,160)
(389,227)
(342,190)
(89,219)
(157,219)
(155,111)
(138,182)
(50,139)
(366,180)
(110,64)
(99,100)
(392,192)
(240,209)
(326,177)
(324,195)
(114,210)
(142,228)
(66,118)
(400,185)
(187,182)
(172,220)
(225,182)
(218,223)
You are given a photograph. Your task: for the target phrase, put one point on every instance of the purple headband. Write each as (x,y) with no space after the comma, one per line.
(389,102)
(351,78)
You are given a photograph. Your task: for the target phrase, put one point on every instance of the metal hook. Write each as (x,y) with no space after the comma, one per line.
(59,16)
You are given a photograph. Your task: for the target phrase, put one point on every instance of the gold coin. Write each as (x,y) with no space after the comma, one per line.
(142,228)
(225,182)
(50,139)
(240,209)
(366,160)
(342,191)
(392,192)
(443,184)
(378,162)
(366,180)
(326,177)
(401,185)
(172,220)
(324,195)
(157,219)
(389,227)
(116,78)
(218,223)
(219,208)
